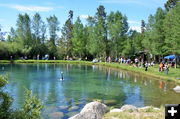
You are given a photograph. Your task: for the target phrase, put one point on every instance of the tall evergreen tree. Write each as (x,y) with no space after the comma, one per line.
(172,31)
(65,41)
(159,39)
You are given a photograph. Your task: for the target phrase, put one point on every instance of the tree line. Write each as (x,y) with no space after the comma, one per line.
(102,36)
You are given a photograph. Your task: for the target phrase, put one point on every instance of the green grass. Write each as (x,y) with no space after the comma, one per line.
(149,113)
(174,74)
(5,61)
(134,115)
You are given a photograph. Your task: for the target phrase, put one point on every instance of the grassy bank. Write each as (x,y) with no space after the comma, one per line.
(174,74)
(141,114)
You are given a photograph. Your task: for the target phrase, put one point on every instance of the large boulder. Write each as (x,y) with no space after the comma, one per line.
(93,110)
(130,108)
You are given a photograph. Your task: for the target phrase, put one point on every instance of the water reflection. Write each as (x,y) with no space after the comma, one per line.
(83,84)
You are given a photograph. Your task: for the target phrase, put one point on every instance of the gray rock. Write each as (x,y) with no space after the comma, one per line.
(56,115)
(130,108)
(63,107)
(116,110)
(93,110)
(145,108)
(177,89)
(73,108)
(155,108)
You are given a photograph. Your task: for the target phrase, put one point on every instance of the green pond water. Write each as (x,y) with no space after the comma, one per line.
(83,84)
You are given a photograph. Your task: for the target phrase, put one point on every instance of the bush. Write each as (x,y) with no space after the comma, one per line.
(30,110)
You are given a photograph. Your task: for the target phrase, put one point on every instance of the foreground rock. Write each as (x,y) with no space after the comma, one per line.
(177,89)
(93,110)
(130,108)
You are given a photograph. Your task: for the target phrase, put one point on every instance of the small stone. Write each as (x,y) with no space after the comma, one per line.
(63,107)
(155,108)
(56,115)
(116,110)
(145,108)
(73,108)
(130,108)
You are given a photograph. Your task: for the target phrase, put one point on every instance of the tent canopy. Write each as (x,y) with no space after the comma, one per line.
(170,57)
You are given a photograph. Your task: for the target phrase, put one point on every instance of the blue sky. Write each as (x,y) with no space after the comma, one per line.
(135,10)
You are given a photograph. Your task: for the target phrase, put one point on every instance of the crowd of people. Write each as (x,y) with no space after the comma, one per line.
(138,63)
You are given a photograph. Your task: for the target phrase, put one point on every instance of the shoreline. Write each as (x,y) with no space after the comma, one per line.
(152,71)
(98,110)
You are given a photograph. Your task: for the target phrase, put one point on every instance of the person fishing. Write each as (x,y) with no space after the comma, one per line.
(62,77)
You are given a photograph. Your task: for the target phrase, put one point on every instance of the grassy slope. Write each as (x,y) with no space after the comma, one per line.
(134,115)
(149,113)
(174,74)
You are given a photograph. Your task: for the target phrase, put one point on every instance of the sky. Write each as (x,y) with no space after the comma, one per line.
(135,10)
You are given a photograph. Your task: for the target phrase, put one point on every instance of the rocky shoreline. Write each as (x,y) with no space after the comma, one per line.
(97,110)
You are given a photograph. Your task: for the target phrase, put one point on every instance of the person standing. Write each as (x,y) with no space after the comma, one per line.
(161,67)
(136,62)
(166,68)
(146,66)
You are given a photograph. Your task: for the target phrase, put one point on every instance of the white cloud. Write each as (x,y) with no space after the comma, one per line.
(84,16)
(133,22)
(28,8)
(137,28)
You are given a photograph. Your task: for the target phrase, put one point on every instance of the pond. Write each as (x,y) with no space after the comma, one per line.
(83,84)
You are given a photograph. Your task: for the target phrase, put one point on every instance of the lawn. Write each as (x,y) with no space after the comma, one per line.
(174,74)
